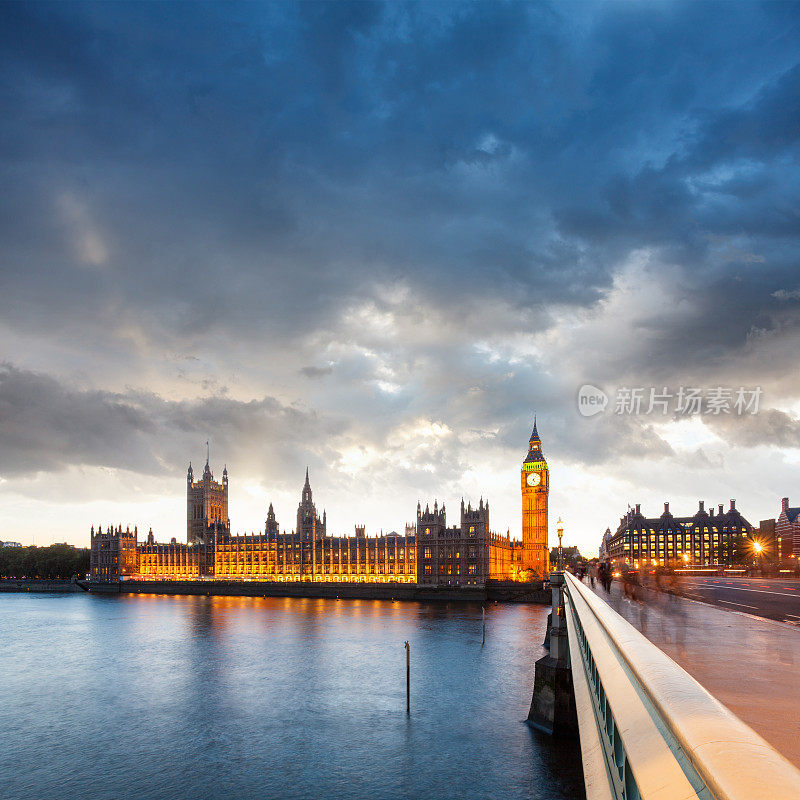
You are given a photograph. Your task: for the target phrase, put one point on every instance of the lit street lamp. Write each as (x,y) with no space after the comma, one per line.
(560,560)
(758,550)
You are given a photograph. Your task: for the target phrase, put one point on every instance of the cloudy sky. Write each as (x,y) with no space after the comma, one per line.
(375,239)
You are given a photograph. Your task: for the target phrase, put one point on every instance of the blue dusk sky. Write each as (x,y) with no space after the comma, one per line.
(374,239)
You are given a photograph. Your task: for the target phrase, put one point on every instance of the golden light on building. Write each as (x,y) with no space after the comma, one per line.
(428,553)
(535,482)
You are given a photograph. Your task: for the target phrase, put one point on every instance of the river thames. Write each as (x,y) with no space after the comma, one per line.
(160,697)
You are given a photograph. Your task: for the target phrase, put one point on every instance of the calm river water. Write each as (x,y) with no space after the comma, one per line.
(162,698)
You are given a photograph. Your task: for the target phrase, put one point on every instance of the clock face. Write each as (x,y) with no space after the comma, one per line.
(534,479)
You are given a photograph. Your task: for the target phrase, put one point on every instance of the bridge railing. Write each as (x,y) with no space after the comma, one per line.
(650,730)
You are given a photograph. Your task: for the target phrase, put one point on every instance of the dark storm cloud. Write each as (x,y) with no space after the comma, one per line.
(47,426)
(250,171)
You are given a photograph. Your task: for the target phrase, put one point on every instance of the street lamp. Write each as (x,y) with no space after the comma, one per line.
(758,549)
(560,559)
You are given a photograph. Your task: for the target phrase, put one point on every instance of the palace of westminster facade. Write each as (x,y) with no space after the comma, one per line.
(428,553)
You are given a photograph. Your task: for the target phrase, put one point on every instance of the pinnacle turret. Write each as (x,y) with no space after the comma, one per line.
(534,433)
(535,446)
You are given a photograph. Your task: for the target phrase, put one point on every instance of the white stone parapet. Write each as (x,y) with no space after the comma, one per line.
(650,730)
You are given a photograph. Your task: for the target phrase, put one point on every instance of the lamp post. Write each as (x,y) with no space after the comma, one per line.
(560,559)
(758,549)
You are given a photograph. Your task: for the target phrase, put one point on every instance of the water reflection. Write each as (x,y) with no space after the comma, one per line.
(161,697)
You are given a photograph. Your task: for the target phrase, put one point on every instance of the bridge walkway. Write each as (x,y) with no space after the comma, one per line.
(750,664)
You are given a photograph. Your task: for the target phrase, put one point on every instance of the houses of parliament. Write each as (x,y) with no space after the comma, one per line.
(428,553)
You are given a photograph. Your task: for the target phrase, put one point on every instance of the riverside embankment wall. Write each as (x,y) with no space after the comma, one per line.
(37,585)
(499,591)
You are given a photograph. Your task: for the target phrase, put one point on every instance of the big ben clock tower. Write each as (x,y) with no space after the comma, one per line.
(535,487)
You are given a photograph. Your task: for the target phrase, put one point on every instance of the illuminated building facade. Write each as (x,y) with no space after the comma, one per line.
(305,554)
(460,556)
(535,481)
(177,560)
(427,553)
(704,540)
(289,557)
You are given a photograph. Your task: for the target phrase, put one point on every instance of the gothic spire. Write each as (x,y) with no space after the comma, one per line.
(535,448)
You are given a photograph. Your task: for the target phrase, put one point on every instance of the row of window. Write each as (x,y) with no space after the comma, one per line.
(448,552)
(234,557)
(685,537)
(471,531)
(683,531)
(272,548)
(706,546)
(224,569)
(455,569)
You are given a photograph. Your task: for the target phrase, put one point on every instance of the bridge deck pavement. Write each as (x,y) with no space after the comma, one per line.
(750,664)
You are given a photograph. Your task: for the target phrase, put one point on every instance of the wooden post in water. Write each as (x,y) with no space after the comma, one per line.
(483,614)
(408,678)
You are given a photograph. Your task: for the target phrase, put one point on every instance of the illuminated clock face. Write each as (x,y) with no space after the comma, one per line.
(534,479)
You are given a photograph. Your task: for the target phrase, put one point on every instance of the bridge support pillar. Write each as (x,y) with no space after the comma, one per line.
(553,705)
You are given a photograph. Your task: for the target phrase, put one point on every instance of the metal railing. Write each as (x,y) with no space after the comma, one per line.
(650,730)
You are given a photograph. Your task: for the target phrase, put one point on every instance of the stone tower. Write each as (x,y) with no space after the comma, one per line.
(535,482)
(309,526)
(206,503)
(271,526)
